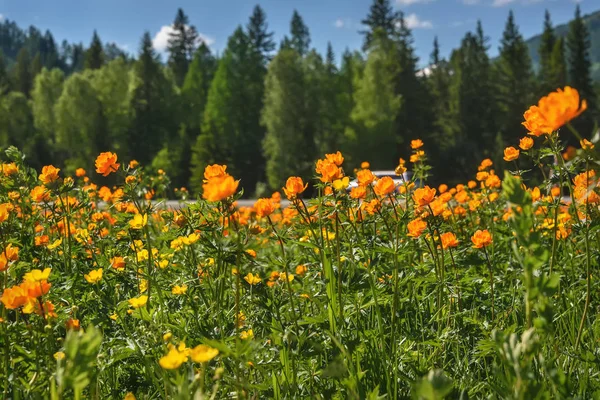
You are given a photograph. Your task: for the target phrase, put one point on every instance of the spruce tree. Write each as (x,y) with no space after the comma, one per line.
(300,35)
(36,65)
(182,44)
(23,79)
(514,82)
(258,33)
(4,77)
(558,66)
(578,45)
(381,17)
(548,40)
(151,103)
(94,56)
(77,58)
(284,116)
(439,88)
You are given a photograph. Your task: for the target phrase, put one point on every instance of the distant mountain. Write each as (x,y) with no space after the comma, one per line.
(593,24)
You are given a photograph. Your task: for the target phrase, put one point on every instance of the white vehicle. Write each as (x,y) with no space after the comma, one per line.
(398,180)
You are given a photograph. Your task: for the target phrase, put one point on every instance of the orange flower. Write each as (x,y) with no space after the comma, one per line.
(485,164)
(117,263)
(5,208)
(526,143)
(365,177)
(553,111)
(14,297)
(264,207)
(416,144)
(336,158)
(3,262)
(215,171)
(39,194)
(218,189)
(418,155)
(424,196)
(365,165)
(49,174)
(9,169)
(359,192)
(481,239)
(442,188)
(11,252)
(293,187)
(511,154)
(73,324)
(36,289)
(328,170)
(570,153)
(448,240)
(384,186)
(79,172)
(106,163)
(416,227)
(586,144)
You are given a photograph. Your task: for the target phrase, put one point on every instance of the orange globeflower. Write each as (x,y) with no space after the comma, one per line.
(485,164)
(219,189)
(215,171)
(448,240)
(416,227)
(39,194)
(384,186)
(365,177)
(365,165)
(49,174)
(553,111)
(11,252)
(14,297)
(481,238)
(5,208)
(526,143)
(264,207)
(416,144)
(586,144)
(9,169)
(511,154)
(570,153)
(79,172)
(328,170)
(293,187)
(424,196)
(36,288)
(106,163)
(358,192)
(336,158)
(117,263)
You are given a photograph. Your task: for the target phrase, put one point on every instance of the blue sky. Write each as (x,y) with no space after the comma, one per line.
(338,21)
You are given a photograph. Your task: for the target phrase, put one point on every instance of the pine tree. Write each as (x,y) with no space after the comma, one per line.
(284,116)
(194,94)
(49,52)
(182,44)
(300,35)
(439,87)
(548,40)
(558,66)
(23,79)
(4,77)
(381,17)
(231,131)
(578,45)
(332,123)
(514,82)
(77,58)
(258,33)
(36,65)
(152,102)
(373,137)
(94,56)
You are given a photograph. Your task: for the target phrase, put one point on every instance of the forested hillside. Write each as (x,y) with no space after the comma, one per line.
(268,110)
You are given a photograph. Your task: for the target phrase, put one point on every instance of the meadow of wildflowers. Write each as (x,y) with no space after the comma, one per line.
(485,289)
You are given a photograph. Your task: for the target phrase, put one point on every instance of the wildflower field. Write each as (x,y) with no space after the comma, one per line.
(482,290)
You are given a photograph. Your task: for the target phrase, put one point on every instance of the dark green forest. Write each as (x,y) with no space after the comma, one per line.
(268,110)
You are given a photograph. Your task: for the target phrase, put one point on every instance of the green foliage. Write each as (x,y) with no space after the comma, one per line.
(181,46)
(23,78)
(94,56)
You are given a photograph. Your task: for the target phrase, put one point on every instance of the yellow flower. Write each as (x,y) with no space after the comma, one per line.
(167,336)
(252,279)
(138,221)
(37,275)
(586,144)
(113,316)
(249,334)
(341,184)
(94,276)
(203,353)
(59,355)
(138,302)
(129,396)
(179,289)
(173,359)
(54,244)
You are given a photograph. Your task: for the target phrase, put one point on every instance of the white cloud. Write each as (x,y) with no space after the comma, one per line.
(413,22)
(161,39)
(339,23)
(501,3)
(409,2)
(1,17)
